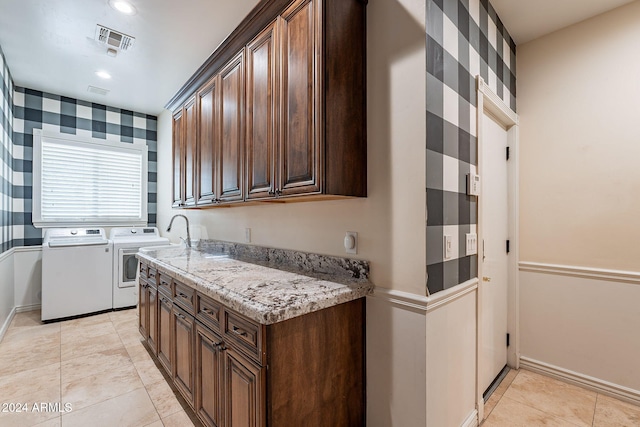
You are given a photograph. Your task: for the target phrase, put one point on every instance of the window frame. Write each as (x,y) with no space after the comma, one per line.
(68,139)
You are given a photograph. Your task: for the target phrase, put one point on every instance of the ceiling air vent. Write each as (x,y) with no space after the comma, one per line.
(97,90)
(113,39)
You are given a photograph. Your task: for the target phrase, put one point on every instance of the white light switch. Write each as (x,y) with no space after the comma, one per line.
(472,244)
(247,235)
(448,247)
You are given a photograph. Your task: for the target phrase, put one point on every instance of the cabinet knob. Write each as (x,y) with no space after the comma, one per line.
(221,347)
(278,193)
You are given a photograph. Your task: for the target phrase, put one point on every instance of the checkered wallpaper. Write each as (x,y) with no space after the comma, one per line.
(39,110)
(465,38)
(6,120)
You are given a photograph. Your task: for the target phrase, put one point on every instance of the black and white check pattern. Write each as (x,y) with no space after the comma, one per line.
(465,38)
(6,130)
(40,110)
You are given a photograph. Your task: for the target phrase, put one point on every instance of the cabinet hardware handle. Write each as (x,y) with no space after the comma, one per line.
(278,193)
(207,311)
(221,347)
(181,316)
(181,295)
(165,300)
(272,193)
(239,331)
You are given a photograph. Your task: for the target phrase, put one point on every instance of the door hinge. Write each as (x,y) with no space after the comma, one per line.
(508,339)
(507,153)
(508,249)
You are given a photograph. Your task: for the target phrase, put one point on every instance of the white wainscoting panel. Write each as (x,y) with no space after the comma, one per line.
(27,262)
(451,358)
(396,359)
(582,324)
(6,291)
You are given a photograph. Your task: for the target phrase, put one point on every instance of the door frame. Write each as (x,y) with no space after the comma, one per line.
(489,102)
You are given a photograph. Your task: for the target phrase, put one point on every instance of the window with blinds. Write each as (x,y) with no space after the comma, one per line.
(88,182)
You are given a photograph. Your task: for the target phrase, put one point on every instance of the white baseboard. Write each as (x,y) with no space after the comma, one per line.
(25,308)
(585,381)
(7,322)
(472,420)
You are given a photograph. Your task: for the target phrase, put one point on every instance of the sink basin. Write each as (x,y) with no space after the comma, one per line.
(155,248)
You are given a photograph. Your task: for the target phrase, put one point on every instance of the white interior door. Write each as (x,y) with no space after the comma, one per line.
(494,257)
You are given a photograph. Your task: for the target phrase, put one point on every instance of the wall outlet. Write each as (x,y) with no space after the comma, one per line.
(351,242)
(247,235)
(448,247)
(472,244)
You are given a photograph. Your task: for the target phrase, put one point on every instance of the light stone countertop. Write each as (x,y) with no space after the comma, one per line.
(265,294)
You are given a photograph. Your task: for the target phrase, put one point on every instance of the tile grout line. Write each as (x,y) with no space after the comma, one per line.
(595,408)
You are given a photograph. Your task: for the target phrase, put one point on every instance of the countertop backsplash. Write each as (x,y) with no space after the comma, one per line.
(290,260)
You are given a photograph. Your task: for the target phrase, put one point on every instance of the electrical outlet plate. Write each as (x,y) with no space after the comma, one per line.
(448,247)
(351,242)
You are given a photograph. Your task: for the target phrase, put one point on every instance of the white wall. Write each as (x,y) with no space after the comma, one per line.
(578,102)
(6,290)
(390,221)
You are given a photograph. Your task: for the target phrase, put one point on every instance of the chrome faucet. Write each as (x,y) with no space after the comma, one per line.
(188,241)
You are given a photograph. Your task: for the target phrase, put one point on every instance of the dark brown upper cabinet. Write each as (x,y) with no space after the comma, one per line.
(178,161)
(281,108)
(184,155)
(208,141)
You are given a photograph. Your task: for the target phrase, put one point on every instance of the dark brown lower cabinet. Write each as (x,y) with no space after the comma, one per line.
(183,334)
(208,404)
(152,338)
(306,371)
(143,308)
(164,331)
(244,391)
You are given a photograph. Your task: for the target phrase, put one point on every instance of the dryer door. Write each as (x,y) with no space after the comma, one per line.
(127,267)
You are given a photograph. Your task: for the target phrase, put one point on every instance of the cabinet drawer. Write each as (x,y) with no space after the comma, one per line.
(245,334)
(165,284)
(184,296)
(152,276)
(208,311)
(143,269)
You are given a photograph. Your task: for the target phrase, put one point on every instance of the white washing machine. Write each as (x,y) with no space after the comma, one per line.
(126,242)
(76,272)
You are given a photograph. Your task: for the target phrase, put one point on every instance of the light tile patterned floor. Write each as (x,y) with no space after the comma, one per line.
(526,399)
(97,364)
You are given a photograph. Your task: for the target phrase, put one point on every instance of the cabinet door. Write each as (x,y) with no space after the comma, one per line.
(143,308)
(208,121)
(300,157)
(178,160)
(152,339)
(244,391)
(164,331)
(183,332)
(262,66)
(230,152)
(209,403)
(190,140)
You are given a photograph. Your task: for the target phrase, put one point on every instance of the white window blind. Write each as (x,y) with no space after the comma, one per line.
(89,182)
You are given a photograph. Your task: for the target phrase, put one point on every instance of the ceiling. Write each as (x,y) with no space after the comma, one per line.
(527,20)
(49,44)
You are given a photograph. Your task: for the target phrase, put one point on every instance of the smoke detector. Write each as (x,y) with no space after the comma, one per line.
(114,40)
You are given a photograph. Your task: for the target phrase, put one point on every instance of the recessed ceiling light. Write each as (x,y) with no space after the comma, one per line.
(123,6)
(103,74)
